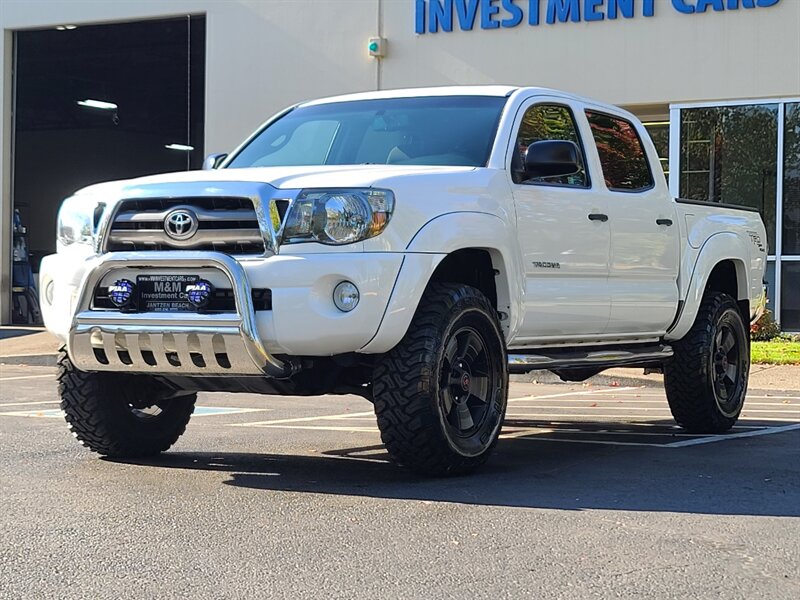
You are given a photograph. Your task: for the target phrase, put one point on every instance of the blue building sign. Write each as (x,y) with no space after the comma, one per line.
(432,16)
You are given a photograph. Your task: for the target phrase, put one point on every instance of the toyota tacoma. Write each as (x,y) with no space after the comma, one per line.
(413,247)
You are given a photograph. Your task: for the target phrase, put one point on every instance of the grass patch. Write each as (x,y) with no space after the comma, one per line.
(776,352)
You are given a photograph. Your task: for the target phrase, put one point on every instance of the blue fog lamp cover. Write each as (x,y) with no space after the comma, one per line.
(199,293)
(121,292)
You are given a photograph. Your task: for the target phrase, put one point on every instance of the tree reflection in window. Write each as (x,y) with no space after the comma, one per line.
(622,156)
(791,181)
(729,154)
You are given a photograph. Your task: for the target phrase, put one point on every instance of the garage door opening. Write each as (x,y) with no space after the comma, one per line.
(97,103)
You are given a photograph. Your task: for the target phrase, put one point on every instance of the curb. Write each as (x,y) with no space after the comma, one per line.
(30,360)
(603,379)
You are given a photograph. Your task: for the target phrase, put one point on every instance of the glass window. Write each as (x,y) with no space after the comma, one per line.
(307,145)
(659,133)
(790,296)
(445,130)
(729,154)
(791,181)
(622,156)
(545,122)
(769,277)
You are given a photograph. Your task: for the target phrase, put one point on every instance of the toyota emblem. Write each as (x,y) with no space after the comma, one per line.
(180,224)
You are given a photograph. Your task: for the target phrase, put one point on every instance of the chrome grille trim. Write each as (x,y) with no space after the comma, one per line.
(201,213)
(260,195)
(207,237)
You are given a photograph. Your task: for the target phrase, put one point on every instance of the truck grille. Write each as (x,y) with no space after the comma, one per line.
(223,224)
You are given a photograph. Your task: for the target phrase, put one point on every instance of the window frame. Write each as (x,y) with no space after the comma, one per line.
(523,110)
(587,111)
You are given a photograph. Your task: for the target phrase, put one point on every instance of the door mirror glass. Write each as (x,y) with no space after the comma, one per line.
(552,158)
(213,161)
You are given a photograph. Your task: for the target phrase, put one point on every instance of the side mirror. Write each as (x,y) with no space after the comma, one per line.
(552,158)
(213,161)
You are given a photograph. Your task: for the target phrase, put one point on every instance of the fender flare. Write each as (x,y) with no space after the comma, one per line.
(436,239)
(723,246)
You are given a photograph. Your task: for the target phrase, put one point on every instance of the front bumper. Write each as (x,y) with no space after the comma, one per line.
(303,320)
(216,344)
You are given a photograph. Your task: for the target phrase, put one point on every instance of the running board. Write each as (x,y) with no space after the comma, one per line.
(597,360)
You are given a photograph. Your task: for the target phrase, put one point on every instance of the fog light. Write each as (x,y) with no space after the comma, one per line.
(121,292)
(199,293)
(346,296)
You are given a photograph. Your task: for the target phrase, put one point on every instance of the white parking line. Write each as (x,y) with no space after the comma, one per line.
(510,419)
(200,411)
(733,436)
(635,400)
(608,432)
(525,432)
(323,428)
(600,442)
(661,394)
(28,403)
(565,417)
(585,393)
(651,411)
(301,419)
(51,376)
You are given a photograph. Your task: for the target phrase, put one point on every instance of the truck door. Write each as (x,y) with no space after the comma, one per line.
(563,232)
(643,269)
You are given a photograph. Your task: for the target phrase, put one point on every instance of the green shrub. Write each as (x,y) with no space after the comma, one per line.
(765,329)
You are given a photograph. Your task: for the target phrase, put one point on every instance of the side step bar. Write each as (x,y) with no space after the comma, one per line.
(597,359)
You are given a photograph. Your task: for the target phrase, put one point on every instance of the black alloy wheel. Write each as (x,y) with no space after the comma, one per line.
(468,382)
(727,363)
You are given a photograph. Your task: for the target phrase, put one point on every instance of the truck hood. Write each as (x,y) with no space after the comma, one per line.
(337,176)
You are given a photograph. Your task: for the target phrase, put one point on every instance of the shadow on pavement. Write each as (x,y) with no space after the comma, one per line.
(751,476)
(7,333)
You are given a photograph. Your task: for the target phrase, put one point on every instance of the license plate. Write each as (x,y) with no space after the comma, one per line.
(164,293)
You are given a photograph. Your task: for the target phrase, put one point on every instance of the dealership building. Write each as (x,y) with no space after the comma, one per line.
(93,91)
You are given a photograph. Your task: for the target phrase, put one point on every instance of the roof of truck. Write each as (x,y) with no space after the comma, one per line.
(452,90)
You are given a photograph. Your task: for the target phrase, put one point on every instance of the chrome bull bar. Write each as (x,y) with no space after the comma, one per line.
(173,342)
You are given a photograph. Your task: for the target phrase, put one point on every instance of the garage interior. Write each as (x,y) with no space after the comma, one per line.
(98,103)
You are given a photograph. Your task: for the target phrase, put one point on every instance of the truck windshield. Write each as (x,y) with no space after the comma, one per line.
(446,130)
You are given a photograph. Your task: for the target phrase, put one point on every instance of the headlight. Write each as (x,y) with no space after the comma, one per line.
(77,220)
(338,216)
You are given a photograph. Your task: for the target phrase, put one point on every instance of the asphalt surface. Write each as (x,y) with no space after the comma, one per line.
(592,493)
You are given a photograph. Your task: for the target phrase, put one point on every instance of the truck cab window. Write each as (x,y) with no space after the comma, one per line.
(622,156)
(545,122)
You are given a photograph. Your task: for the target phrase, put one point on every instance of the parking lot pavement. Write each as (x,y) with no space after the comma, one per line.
(592,492)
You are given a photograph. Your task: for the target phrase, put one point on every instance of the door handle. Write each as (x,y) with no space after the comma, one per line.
(666,222)
(598,217)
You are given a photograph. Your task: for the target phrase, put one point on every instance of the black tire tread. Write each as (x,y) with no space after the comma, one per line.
(687,377)
(94,406)
(404,380)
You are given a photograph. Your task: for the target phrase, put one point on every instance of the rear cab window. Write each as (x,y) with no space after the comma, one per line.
(622,155)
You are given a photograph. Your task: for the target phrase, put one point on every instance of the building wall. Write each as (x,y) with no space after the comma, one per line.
(668,57)
(263,55)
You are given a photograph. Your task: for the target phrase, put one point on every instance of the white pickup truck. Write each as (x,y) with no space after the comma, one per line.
(412,247)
